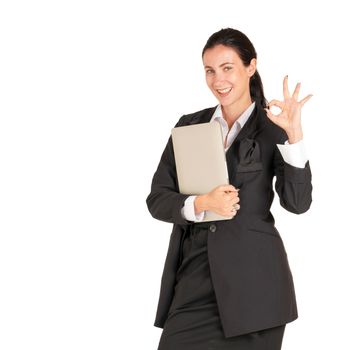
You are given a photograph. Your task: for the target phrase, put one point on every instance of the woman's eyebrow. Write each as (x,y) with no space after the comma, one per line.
(222,64)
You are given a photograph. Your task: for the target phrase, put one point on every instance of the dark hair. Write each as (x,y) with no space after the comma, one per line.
(242,45)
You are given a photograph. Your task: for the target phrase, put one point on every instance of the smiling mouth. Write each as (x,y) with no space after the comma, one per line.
(224,92)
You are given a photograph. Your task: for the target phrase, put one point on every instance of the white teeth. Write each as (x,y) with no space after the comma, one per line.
(223,91)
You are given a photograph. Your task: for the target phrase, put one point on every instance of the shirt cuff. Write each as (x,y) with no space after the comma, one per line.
(294,154)
(188,211)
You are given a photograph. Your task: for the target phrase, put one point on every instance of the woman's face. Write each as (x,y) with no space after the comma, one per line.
(226,76)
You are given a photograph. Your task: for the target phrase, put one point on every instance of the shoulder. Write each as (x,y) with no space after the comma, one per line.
(194,117)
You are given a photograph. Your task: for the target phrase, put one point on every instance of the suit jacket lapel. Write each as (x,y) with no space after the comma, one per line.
(253,125)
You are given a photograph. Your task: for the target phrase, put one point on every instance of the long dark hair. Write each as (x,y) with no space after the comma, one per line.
(244,48)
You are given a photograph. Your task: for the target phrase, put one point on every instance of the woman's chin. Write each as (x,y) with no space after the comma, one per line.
(225,102)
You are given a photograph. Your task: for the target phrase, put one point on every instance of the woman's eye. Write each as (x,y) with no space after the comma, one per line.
(209,71)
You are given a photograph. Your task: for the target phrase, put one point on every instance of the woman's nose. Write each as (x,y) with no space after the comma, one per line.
(218,80)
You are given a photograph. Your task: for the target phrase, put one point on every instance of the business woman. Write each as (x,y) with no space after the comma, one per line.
(227,284)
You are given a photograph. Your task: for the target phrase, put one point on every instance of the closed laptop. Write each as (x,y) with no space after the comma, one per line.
(200,160)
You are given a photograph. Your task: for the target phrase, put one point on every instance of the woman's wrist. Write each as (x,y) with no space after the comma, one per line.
(200,204)
(294,135)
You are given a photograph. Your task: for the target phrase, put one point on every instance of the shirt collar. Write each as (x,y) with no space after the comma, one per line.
(242,118)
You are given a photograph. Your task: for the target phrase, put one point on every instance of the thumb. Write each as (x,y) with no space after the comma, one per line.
(228,188)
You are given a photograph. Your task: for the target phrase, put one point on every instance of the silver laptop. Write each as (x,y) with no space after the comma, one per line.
(200,160)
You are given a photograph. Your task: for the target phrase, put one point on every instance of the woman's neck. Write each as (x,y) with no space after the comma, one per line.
(232,112)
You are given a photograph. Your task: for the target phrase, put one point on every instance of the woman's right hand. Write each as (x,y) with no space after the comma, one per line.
(222,200)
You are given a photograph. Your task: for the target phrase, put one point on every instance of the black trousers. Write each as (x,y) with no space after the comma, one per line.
(193,321)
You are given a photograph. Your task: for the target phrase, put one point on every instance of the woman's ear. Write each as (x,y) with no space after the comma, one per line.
(252,67)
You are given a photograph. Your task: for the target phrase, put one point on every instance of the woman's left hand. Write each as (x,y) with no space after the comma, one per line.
(290,117)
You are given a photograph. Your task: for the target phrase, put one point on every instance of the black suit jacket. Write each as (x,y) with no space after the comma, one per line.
(248,262)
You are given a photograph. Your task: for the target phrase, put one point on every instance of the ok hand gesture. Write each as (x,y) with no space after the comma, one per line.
(289,118)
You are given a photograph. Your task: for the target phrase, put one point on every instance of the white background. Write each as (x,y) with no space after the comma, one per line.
(89,91)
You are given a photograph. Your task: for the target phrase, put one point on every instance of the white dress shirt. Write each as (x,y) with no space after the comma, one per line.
(294,154)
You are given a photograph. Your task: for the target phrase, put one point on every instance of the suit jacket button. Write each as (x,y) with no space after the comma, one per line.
(212,228)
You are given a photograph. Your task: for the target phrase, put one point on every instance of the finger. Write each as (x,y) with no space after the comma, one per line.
(296,91)
(228,188)
(271,116)
(232,197)
(305,99)
(286,93)
(277,103)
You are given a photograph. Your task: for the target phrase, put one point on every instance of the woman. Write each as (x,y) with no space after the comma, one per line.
(227,284)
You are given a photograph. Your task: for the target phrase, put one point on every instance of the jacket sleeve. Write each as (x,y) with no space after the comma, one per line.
(164,202)
(293,184)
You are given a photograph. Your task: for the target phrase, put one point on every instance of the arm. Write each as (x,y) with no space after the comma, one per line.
(164,202)
(293,184)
